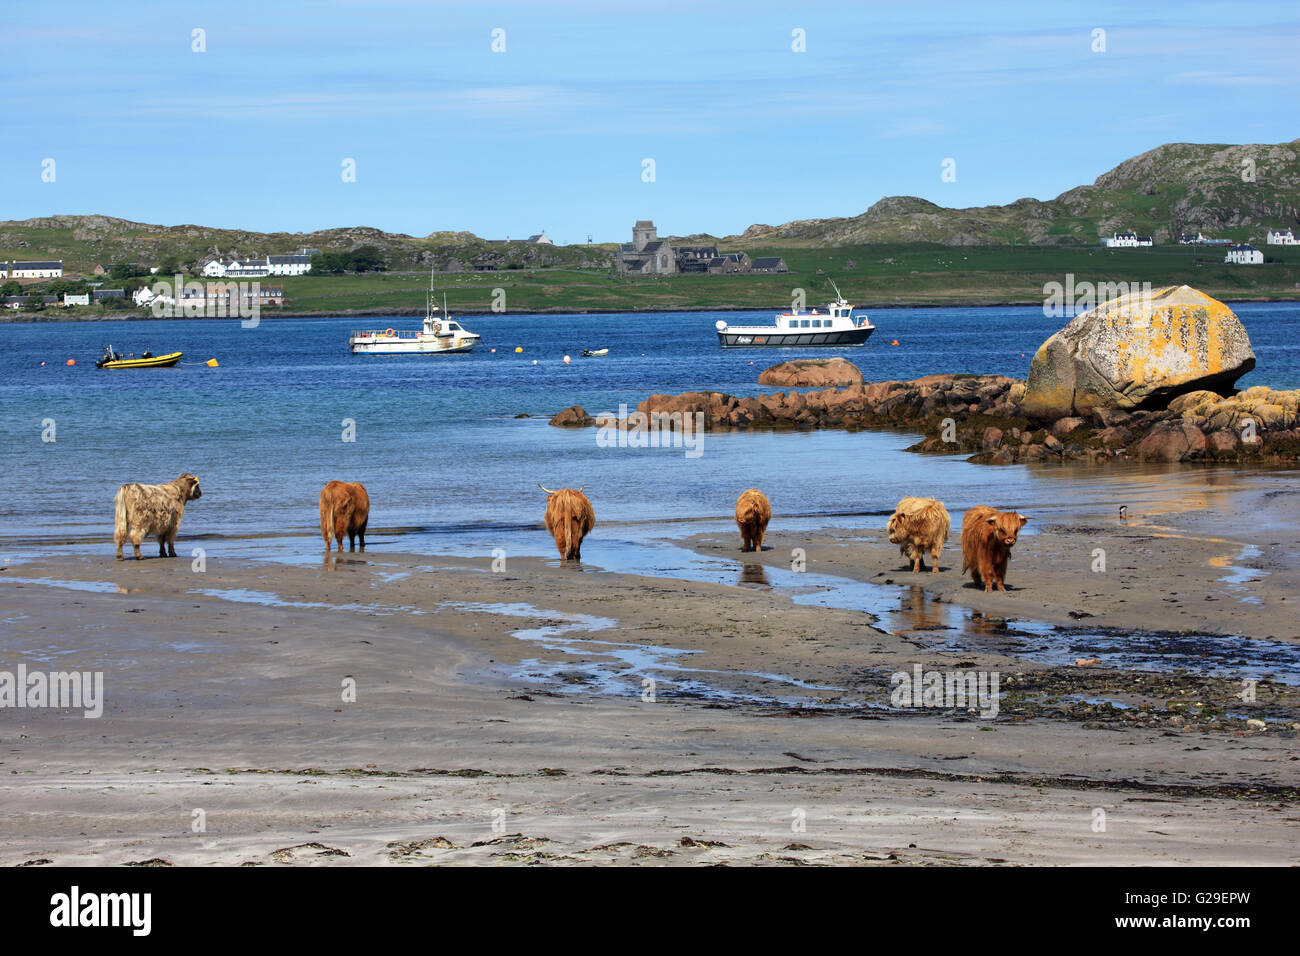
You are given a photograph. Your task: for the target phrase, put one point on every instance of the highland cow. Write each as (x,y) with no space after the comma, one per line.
(753,512)
(569,518)
(140,510)
(917,526)
(344,509)
(987,537)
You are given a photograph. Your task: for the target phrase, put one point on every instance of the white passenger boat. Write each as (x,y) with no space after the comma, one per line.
(441,334)
(836,327)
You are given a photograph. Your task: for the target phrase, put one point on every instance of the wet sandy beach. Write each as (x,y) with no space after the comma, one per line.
(507,717)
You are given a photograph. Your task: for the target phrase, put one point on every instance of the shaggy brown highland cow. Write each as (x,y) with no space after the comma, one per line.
(987,537)
(569,518)
(919,525)
(140,510)
(753,512)
(344,509)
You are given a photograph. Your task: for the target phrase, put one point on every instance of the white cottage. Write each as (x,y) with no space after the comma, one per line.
(1127,240)
(1282,237)
(35,270)
(1244,255)
(292,265)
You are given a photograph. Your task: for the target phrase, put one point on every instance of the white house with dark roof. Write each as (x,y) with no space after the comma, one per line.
(1282,237)
(241,268)
(541,239)
(292,265)
(31,270)
(1127,240)
(1244,255)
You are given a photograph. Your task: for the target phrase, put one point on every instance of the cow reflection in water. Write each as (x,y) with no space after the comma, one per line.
(754,574)
(921,611)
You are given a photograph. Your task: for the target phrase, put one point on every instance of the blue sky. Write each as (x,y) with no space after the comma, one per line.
(552,133)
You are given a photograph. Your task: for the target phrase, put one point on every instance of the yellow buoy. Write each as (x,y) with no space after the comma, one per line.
(212,363)
(519,348)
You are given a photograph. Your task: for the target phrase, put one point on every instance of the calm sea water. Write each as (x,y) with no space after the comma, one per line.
(436,440)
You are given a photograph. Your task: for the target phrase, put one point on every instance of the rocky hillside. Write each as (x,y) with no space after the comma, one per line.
(1175,188)
(84,241)
(1180,187)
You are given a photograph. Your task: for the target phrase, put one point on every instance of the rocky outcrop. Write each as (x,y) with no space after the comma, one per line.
(575,416)
(981,416)
(1138,351)
(812,373)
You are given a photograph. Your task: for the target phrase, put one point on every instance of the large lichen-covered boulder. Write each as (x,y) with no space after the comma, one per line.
(1138,351)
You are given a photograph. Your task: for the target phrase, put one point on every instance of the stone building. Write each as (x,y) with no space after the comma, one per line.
(646,254)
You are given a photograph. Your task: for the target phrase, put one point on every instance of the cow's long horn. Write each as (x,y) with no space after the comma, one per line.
(545,489)
(581,486)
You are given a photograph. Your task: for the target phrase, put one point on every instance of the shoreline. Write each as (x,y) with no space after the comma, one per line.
(286,313)
(501,717)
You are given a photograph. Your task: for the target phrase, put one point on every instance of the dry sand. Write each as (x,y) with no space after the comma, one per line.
(499,717)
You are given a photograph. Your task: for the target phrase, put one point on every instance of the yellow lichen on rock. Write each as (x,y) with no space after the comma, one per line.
(1138,350)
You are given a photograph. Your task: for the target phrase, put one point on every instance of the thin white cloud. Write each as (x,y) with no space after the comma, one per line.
(492,102)
(1213,78)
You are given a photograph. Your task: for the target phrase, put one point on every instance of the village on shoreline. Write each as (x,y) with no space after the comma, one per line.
(648,274)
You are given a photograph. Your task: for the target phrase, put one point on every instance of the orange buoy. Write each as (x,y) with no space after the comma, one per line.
(895,342)
(72,361)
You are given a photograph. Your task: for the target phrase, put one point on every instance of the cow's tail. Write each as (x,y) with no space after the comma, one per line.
(345,509)
(121,525)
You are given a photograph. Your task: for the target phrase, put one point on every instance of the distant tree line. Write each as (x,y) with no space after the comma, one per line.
(360,259)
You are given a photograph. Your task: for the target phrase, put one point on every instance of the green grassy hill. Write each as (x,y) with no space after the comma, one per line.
(83,242)
(1229,192)
(890,274)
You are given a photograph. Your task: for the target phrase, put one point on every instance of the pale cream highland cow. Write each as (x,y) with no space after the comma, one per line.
(152,509)
(919,525)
